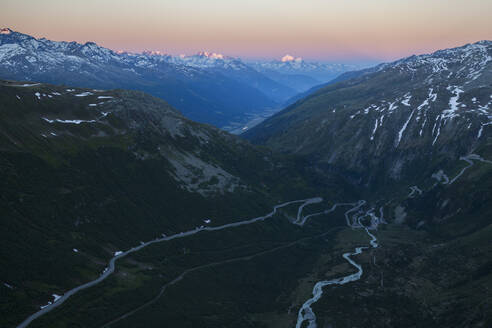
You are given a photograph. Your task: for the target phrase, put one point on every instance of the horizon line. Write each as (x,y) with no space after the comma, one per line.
(360,60)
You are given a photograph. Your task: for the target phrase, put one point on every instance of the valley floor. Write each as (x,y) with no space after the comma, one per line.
(248,274)
(139,276)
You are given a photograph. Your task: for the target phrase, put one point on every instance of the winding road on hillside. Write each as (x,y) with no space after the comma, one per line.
(209,265)
(469,159)
(442,178)
(305,312)
(111,266)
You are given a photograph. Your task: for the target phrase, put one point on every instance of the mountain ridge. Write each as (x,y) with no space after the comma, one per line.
(98,171)
(419,102)
(89,174)
(196,91)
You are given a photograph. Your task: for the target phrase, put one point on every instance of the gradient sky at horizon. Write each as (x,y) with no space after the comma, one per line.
(340,31)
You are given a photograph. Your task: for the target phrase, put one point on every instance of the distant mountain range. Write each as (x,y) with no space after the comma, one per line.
(300,74)
(135,215)
(295,73)
(209,88)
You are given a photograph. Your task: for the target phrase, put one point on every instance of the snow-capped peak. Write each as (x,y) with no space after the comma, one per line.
(472,58)
(154,53)
(204,59)
(211,55)
(5,31)
(289,58)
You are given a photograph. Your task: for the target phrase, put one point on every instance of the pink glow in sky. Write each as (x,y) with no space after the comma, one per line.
(348,30)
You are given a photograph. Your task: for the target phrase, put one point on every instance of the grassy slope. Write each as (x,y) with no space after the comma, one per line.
(105,186)
(96,195)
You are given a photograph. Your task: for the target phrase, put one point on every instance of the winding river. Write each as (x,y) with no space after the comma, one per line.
(306,313)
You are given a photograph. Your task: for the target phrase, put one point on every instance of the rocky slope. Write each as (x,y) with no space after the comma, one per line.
(413,135)
(85,173)
(394,122)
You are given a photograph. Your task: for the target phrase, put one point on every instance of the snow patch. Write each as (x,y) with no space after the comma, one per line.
(453,102)
(374,130)
(422,127)
(25,85)
(84,94)
(392,107)
(481,129)
(400,133)
(438,124)
(68,121)
(406,101)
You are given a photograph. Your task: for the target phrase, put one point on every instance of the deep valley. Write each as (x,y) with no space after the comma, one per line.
(365,201)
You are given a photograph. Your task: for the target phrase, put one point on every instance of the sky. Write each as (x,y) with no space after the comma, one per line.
(327,30)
